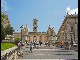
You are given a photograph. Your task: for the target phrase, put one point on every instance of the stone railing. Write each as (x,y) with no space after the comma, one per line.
(8,41)
(5,55)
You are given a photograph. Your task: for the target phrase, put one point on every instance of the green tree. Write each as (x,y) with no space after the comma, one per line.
(9,30)
(2,28)
(2,33)
(2,17)
(17,40)
(5,30)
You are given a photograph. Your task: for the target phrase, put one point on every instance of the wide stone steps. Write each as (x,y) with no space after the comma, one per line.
(45,59)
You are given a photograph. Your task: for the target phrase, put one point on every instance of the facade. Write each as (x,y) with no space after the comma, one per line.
(17,35)
(6,20)
(35,35)
(69,29)
(51,35)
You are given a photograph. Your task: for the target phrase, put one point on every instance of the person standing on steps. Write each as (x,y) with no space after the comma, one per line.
(40,42)
(62,44)
(19,46)
(31,44)
(48,43)
(34,42)
(37,44)
(69,46)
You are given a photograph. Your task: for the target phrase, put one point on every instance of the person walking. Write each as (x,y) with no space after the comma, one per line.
(19,45)
(71,43)
(48,43)
(40,42)
(34,43)
(62,44)
(69,46)
(37,43)
(31,44)
(19,49)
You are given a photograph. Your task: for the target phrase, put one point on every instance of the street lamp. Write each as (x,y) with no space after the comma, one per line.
(21,33)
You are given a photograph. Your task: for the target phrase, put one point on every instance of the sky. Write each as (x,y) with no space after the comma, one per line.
(47,12)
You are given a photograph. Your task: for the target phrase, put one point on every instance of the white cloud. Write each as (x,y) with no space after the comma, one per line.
(4,4)
(71,11)
(68,8)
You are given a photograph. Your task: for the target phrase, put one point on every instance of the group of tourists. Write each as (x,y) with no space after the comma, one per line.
(34,44)
(69,45)
(47,43)
(19,52)
(37,43)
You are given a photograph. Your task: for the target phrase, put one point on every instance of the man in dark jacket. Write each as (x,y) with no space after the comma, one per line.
(31,44)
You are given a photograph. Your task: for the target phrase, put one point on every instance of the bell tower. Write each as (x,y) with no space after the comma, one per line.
(35,25)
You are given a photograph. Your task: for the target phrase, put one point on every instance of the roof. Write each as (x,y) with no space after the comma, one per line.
(37,32)
(67,16)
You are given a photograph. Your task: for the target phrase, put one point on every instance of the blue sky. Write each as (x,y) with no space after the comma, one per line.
(47,12)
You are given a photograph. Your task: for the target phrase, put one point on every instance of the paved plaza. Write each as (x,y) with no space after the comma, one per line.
(44,52)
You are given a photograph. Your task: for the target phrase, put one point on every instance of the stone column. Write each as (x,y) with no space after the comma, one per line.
(68,32)
(76,33)
(43,39)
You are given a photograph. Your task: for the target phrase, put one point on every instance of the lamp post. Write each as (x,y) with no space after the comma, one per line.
(21,33)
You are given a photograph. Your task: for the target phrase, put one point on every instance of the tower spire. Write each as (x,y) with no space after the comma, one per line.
(35,25)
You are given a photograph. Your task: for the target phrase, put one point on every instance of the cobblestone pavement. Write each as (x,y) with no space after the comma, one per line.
(48,53)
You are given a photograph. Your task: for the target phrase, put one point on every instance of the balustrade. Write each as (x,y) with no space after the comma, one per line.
(6,55)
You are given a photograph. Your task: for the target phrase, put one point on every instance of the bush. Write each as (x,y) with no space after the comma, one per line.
(17,40)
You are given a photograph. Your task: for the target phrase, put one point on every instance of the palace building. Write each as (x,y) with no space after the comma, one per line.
(69,29)
(50,35)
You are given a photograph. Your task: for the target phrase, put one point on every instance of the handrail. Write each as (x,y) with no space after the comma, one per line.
(8,52)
